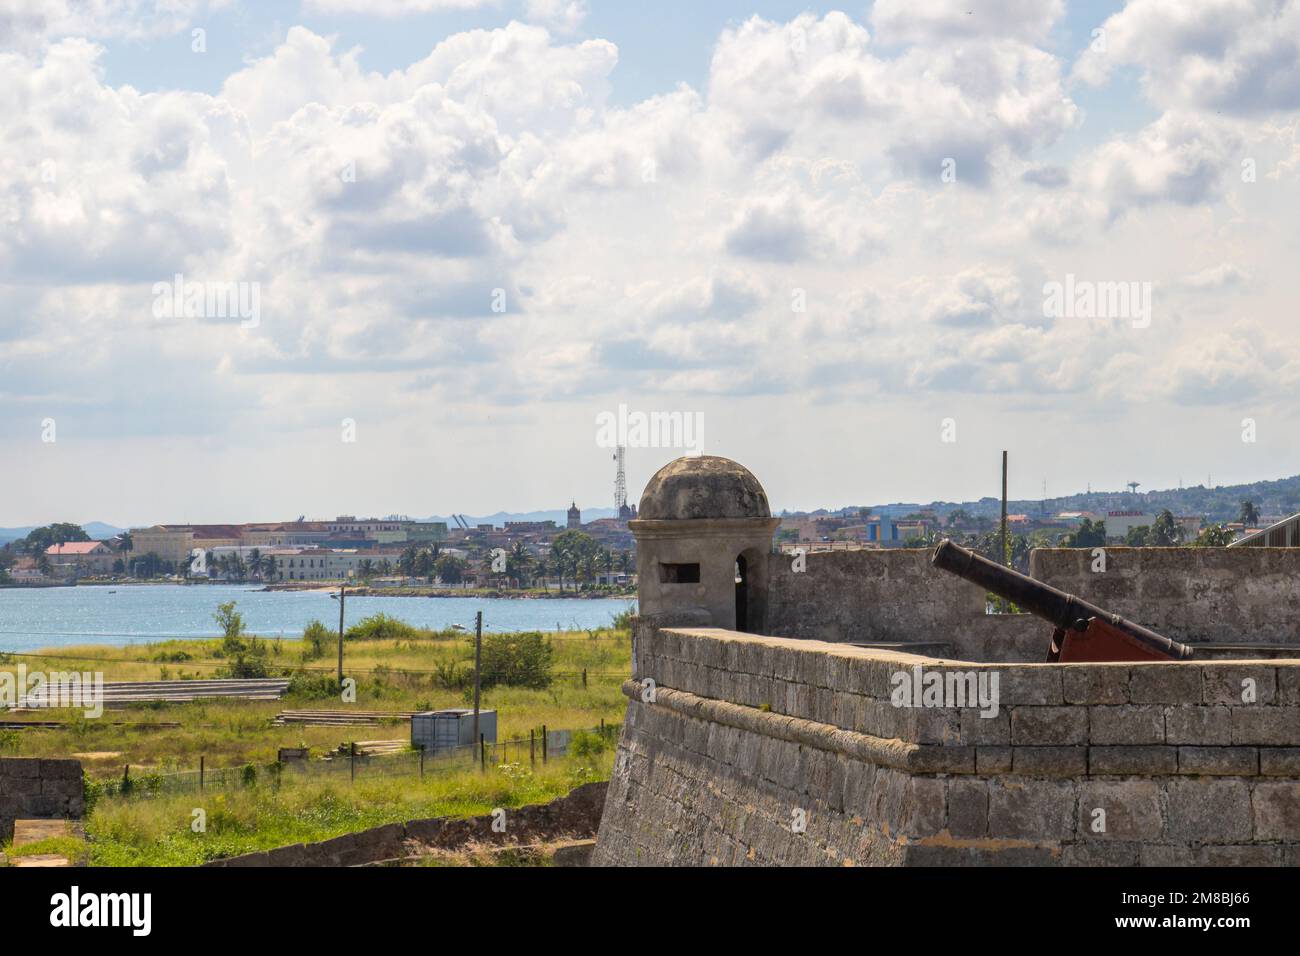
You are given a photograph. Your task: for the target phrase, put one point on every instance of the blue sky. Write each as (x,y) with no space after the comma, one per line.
(828,230)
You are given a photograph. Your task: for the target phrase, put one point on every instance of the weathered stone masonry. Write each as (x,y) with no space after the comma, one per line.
(745,731)
(34,787)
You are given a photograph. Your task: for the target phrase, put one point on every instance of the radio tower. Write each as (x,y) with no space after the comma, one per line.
(620,482)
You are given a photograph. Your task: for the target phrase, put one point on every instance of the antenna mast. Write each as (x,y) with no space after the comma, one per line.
(620,481)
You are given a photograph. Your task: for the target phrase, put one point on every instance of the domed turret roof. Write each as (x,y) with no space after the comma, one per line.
(702,487)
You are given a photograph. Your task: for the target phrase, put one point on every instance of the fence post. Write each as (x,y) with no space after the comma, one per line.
(532,747)
(584,677)
(126,778)
(482,752)
(543,743)
(421,763)
(354,761)
(201,772)
(602,728)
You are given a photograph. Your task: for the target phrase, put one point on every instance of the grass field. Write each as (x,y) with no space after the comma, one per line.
(417,670)
(402,674)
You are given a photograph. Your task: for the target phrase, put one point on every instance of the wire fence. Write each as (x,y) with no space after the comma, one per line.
(359,763)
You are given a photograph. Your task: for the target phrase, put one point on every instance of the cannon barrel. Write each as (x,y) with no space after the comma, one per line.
(1064,611)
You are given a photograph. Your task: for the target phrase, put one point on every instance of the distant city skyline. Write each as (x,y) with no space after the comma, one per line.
(595,512)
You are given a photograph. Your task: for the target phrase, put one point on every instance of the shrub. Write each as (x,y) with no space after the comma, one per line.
(316,635)
(379,627)
(517,660)
(585,745)
(313,686)
(623,619)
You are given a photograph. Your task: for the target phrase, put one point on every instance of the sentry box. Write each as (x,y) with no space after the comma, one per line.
(439,731)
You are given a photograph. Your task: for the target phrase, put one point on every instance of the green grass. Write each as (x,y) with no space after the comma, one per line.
(74,848)
(158,831)
(398,669)
(392,674)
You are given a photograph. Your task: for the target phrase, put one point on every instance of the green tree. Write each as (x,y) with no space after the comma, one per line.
(1089,534)
(1137,536)
(516,660)
(61,532)
(518,563)
(1213,536)
(450,569)
(1165,532)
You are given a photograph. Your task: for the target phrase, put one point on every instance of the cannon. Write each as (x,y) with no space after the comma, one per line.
(1083,632)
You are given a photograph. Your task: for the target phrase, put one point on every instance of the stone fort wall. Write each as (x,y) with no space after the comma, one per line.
(744,738)
(35,787)
(1213,595)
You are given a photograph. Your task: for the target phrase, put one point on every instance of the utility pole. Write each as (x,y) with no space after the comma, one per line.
(1002,545)
(342,596)
(478,659)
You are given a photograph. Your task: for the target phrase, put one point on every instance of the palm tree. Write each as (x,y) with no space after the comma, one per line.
(367,569)
(519,562)
(1249,514)
(625,562)
(385,567)
(406,563)
(255,561)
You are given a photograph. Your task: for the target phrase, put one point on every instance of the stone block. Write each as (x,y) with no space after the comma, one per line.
(1120,810)
(1276,726)
(1028,809)
(1161,683)
(1206,810)
(1130,725)
(1147,760)
(1277,810)
(1247,855)
(1049,761)
(1205,725)
(1095,683)
(1049,725)
(1232,684)
(992,760)
(1219,761)
(1030,684)
(968,808)
(1279,761)
(977,730)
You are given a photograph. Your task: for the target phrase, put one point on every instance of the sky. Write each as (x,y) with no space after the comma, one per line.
(423,247)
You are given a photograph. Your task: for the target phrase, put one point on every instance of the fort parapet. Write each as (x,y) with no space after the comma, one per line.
(883,717)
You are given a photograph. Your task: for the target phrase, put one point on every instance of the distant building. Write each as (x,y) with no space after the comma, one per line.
(85,557)
(174,543)
(575,516)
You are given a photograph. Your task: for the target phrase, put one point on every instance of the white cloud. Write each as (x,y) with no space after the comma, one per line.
(26,24)
(1180,158)
(566,16)
(1239,57)
(655,250)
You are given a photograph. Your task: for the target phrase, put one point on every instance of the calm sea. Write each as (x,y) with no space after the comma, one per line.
(53,617)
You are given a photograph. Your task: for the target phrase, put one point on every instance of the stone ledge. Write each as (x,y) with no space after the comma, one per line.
(886,752)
